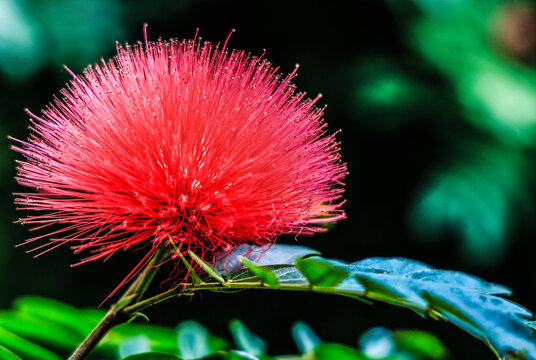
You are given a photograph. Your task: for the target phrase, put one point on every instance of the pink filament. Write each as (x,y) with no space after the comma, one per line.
(179,140)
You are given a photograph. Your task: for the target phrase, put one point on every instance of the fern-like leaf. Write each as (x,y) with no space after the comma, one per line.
(475,305)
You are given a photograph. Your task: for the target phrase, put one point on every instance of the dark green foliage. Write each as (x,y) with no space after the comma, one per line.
(152,356)
(420,342)
(190,340)
(26,349)
(465,300)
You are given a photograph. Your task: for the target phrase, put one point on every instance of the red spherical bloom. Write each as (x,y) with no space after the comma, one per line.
(179,141)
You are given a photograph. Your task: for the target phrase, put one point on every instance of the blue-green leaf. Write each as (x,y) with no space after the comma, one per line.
(134,345)
(246,340)
(152,356)
(193,340)
(162,339)
(237,355)
(377,343)
(135,341)
(305,338)
(475,305)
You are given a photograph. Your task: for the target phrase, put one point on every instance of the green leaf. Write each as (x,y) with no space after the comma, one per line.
(321,272)
(134,341)
(264,273)
(475,199)
(138,314)
(80,320)
(134,345)
(152,356)
(39,329)
(25,348)
(162,339)
(277,254)
(238,355)
(474,305)
(377,343)
(286,274)
(246,340)
(193,340)
(216,344)
(467,301)
(6,354)
(305,338)
(330,351)
(208,268)
(420,342)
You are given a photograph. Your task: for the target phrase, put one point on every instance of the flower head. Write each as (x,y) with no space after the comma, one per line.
(179,141)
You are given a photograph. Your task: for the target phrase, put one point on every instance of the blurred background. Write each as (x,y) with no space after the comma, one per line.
(436,100)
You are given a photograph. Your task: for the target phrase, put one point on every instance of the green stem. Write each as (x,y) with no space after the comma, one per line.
(189,287)
(119,312)
(142,282)
(131,302)
(110,320)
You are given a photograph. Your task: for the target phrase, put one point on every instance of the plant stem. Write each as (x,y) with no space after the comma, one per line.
(110,320)
(189,287)
(143,281)
(119,312)
(131,302)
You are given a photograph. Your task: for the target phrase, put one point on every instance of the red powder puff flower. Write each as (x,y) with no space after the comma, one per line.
(179,141)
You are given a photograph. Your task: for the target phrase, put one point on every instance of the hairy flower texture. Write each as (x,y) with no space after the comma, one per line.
(179,141)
